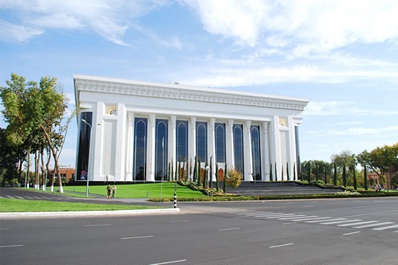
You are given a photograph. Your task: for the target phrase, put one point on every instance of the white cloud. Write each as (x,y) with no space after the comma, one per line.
(241,73)
(238,19)
(302,26)
(344,108)
(111,19)
(17,33)
(358,131)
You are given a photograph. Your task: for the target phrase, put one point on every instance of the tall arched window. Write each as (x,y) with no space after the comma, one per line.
(201,141)
(84,145)
(220,142)
(256,155)
(238,147)
(161,147)
(182,141)
(140,142)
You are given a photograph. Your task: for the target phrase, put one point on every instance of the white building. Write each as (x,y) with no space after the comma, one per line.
(133,131)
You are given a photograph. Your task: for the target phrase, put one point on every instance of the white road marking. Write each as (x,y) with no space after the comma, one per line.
(329,220)
(136,237)
(352,233)
(179,221)
(11,246)
(340,222)
(283,245)
(385,227)
(309,219)
(98,225)
(359,223)
(169,262)
(371,225)
(229,229)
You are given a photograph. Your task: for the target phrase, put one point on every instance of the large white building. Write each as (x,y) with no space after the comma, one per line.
(133,131)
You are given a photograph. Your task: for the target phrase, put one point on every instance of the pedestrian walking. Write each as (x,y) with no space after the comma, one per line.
(108,191)
(114,191)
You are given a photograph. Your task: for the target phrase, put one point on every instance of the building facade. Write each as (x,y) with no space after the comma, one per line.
(133,131)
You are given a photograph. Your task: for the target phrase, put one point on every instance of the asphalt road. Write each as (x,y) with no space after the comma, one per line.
(343,231)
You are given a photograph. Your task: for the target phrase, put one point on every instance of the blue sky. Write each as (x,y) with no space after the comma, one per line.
(342,55)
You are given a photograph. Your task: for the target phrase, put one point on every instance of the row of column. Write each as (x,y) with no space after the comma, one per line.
(271,146)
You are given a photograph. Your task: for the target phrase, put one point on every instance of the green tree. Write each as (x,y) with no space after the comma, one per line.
(35,113)
(381,160)
(217,183)
(344,175)
(225,179)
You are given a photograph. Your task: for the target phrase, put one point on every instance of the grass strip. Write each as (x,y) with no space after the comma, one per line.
(19,205)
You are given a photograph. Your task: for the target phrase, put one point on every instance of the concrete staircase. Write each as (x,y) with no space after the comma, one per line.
(280,188)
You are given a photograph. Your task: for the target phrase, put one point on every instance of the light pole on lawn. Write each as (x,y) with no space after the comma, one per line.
(87,181)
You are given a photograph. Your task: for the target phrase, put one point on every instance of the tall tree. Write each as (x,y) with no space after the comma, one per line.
(35,112)
(381,160)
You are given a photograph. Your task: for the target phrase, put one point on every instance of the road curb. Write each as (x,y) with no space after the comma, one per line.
(35,215)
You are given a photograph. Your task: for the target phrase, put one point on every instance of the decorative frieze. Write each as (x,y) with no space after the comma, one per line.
(179,92)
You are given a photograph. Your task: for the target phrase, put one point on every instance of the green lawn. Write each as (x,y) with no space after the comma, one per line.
(18,205)
(148,190)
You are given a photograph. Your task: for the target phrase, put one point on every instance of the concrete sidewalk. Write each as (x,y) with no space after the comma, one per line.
(36,215)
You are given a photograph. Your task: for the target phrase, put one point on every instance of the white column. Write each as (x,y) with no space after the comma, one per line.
(119,158)
(150,158)
(212,147)
(172,143)
(229,139)
(129,147)
(96,147)
(291,155)
(275,148)
(247,147)
(192,143)
(265,167)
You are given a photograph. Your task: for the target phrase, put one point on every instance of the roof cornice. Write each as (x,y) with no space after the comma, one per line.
(181,92)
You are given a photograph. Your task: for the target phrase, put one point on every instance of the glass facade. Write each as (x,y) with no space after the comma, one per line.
(84,145)
(140,143)
(161,147)
(201,141)
(220,142)
(256,155)
(238,147)
(182,141)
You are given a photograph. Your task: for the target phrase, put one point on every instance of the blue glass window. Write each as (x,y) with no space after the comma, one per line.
(238,147)
(84,145)
(140,143)
(220,142)
(201,141)
(161,144)
(182,141)
(256,155)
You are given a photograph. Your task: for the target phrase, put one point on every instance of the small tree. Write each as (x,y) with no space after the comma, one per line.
(335,174)
(365,176)
(234,178)
(344,176)
(355,178)
(217,184)
(225,179)
(205,176)
(195,173)
(198,173)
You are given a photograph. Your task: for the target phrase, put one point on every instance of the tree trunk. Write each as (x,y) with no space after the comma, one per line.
(37,165)
(55,156)
(43,170)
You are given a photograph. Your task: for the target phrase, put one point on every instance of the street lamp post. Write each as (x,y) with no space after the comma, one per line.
(87,180)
